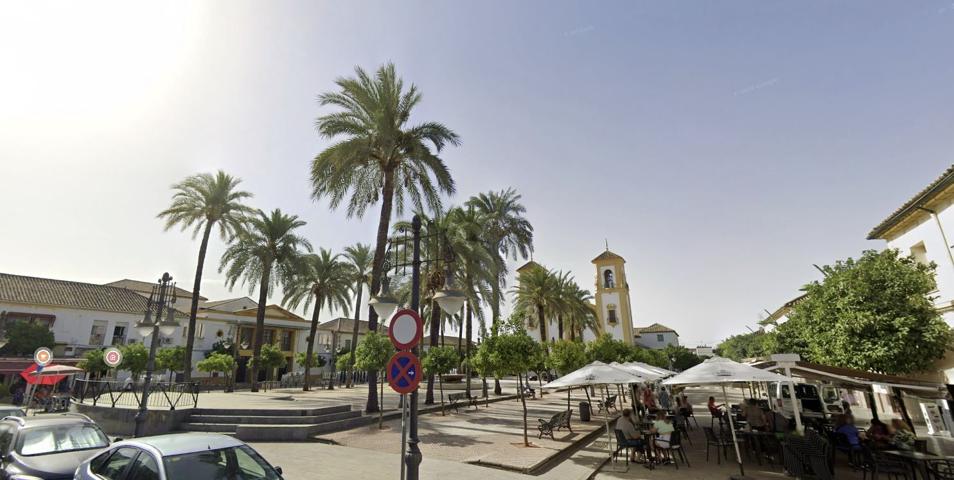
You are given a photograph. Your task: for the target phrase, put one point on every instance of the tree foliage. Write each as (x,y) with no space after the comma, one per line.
(606,349)
(217,362)
(135,358)
(172,359)
(317,361)
(271,357)
(94,363)
(23,338)
(440,360)
(681,357)
(874,313)
(566,356)
(747,345)
(373,352)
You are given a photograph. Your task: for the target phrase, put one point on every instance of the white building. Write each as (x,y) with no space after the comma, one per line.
(704,351)
(656,336)
(921,227)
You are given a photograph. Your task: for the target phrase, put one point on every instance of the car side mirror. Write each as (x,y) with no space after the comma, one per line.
(117,439)
(279,470)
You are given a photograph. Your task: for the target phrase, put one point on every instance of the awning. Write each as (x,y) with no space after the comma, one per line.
(850,377)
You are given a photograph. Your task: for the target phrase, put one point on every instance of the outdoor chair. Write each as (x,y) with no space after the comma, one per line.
(721,446)
(623,445)
(609,403)
(940,469)
(684,428)
(556,423)
(675,447)
(879,465)
(803,459)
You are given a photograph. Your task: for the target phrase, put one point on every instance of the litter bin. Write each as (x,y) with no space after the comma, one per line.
(584,411)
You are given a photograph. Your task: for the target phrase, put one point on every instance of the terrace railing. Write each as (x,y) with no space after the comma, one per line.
(111,393)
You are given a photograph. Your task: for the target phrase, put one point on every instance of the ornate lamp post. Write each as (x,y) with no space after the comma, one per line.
(449,300)
(161,301)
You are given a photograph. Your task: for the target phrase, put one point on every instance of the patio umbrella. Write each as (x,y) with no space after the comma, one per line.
(597,374)
(59,370)
(42,378)
(659,371)
(722,371)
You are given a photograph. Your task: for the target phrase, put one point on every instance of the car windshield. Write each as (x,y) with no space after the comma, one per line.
(60,438)
(235,463)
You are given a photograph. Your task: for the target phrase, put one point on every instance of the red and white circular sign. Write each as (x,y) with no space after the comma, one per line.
(406,329)
(113,357)
(42,356)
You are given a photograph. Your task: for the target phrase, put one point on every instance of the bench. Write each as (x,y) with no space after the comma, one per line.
(455,400)
(556,423)
(529,392)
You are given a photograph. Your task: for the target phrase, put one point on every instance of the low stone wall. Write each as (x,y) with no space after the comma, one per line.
(121,422)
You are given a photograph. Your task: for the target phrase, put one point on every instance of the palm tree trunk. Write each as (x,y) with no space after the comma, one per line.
(384,224)
(354,332)
(541,319)
(495,324)
(334,359)
(194,308)
(260,325)
(460,339)
(468,327)
(559,327)
(435,332)
(311,345)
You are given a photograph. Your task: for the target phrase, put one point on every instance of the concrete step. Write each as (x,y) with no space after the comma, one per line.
(208,427)
(254,412)
(273,420)
(288,433)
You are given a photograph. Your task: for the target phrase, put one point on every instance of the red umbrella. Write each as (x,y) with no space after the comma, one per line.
(40,379)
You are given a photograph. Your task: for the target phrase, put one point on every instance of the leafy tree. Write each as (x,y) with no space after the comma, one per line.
(220,346)
(567,356)
(23,338)
(271,357)
(266,254)
(326,279)
(360,257)
(218,362)
(135,358)
(342,362)
(509,353)
(94,363)
(874,313)
(201,202)
(606,349)
(681,358)
(372,355)
(746,345)
(172,359)
(439,361)
(379,157)
(317,361)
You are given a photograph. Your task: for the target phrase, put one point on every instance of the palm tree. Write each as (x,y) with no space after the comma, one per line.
(325,279)
(203,201)
(506,232)
(267,253)
(577,313)
(380,157)
(538,294)
(359,256)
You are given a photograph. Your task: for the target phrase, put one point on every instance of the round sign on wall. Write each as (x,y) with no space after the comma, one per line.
(112,357)
(406,329)
(43,356)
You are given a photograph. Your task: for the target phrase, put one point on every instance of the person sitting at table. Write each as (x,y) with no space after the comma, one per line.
(878,435)
(902,437)
(649,400)
(627,424)
(754,415)
(845,425)
(716,410)
(662,430)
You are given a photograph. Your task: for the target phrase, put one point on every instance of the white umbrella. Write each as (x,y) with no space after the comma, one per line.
(597,373)
(57,370)
(650,375)
(722,371)
(661,372)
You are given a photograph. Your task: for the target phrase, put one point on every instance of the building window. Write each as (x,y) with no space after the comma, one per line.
(920,253)
(119,334)
(97,334)
(660,338)
(347,345)
(269,337)
(287,340)
(611,315)
(608,281)
(245,338)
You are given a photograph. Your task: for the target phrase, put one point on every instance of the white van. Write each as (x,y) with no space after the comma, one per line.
(809,401)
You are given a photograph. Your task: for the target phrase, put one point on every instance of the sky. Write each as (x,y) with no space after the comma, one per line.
(721,148)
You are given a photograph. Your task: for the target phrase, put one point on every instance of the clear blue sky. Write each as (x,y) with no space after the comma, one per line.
(722,148)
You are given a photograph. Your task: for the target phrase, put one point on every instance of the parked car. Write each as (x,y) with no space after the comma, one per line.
(47,447)
(809,402)
(178,456)
(11,411)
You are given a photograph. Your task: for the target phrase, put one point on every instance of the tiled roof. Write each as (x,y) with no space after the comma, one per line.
(342,324)
(655,328)
(607,255)
(146,287)
(932,190)
(528,266)
(86,296)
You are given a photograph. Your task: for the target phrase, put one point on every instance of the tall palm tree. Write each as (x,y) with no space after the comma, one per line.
(359,256)
(202,202)
(576,309)
(379,157)
(538,294)
(506,232)
(326,279)
(266,254)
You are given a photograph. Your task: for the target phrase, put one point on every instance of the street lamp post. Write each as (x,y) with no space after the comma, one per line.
(448,299)
(161,301)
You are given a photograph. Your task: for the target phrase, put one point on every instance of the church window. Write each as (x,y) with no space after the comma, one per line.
(611,315)
(608,281)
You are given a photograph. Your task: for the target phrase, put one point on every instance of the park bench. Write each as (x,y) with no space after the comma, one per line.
(529,392)
(556,423)
(609,403)
(455,400)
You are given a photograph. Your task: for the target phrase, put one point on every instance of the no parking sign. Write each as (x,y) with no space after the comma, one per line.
(404,372)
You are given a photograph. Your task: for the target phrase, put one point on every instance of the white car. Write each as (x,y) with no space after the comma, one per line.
(178,456)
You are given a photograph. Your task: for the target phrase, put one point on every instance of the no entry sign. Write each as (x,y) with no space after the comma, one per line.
(404,372)
(406,329)
(113,357)
(42,356)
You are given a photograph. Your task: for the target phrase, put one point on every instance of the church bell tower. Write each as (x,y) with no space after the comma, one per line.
(613,309)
